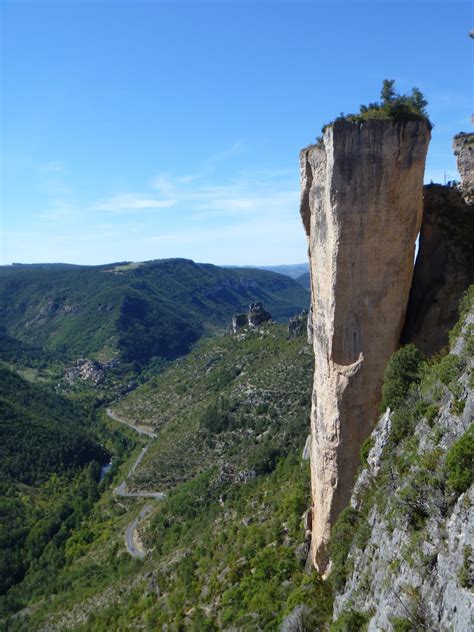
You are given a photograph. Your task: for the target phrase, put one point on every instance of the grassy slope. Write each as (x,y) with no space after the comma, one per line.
(256,385)
(222,550)
(156,309)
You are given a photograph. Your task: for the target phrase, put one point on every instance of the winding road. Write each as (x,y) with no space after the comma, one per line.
(133,546)
(132,542)
(143,430)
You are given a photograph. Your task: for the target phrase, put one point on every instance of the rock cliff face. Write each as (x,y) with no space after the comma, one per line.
(298,324)
(410,561)
(444,268)
(361,206)
(463,147)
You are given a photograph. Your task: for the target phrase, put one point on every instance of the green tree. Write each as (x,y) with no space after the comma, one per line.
(459,462)
(403,369)
(418,100)
(388,93)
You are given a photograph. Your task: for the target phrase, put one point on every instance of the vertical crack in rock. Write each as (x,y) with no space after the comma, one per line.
(361,206)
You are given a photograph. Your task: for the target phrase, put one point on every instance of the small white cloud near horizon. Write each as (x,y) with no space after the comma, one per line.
(131,202)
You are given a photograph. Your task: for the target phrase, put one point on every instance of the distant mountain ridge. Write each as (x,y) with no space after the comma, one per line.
(304,280)
(292,270)
(134,311)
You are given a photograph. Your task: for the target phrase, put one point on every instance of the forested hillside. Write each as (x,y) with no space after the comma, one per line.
(231,422)
(228,545)
(42,432)
(134,311)
(50,461)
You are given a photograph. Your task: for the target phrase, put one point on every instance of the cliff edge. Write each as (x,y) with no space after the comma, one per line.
(361,206)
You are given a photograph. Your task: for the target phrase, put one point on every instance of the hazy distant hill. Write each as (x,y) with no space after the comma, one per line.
(292,270)
(304,280)
(137,311)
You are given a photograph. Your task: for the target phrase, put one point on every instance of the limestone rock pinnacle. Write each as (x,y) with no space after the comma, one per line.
(253,318)
(361,206)
(463,147)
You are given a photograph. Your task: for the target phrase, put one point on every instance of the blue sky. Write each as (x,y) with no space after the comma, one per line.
(143,130)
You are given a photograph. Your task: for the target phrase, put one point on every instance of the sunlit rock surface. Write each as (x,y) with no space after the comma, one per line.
(361,206)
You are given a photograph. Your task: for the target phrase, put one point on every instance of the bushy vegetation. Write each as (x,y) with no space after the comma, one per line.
(341,541)
(392,105)
(51,454)
(33,545)
(227,546)
(351,621)
(18,352)
(41,433)
(425,465)
(241,398)
(225,541)
(216,417)
(402,371)
(222,554)
(237,564)
(460,462)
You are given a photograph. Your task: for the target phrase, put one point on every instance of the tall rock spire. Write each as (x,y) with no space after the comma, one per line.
(361,206)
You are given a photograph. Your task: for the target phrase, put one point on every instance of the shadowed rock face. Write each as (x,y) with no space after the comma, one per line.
(463,147)
(361,206)
(444,268)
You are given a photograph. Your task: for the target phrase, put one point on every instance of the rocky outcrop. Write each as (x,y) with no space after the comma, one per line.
(463,147)
(444,268)
(254,317)
(361,206)
(298,325)
(410,560)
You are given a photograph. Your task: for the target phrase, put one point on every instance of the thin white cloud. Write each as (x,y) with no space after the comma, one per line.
(53,166)
(234,149)
(131,202)
(59,210)
(261,193)
(165,183)
(250,241)
(225,216)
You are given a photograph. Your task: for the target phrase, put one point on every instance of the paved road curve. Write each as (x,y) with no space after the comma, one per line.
(134,550)
(140,429)
(121,490)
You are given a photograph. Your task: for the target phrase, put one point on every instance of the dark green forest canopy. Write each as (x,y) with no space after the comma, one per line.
(134,311)
(41,433)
